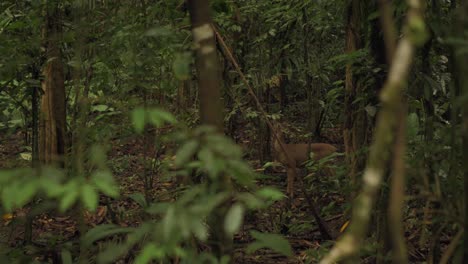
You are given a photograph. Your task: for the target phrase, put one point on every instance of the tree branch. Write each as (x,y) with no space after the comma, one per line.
(391,95)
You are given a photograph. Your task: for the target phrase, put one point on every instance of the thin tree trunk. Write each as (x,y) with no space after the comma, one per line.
(35,116)
(465,157)
(355,128)
(312,90)
(389,30)
(461,81)
(207,64)
(211,108)
(28,226)
(52,139)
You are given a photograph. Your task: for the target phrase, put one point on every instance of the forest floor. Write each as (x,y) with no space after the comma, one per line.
(293,221)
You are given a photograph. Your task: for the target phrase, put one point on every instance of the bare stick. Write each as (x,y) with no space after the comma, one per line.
(398,181)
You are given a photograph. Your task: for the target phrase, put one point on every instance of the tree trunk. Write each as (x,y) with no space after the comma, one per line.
(207,65)
(282,88)
(461,81)
(465,157)
(382,52)
(312,90)
(52,137)
(211,109)
(35,114)
(355,126)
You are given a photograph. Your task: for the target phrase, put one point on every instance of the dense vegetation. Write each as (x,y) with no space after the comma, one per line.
(174,131)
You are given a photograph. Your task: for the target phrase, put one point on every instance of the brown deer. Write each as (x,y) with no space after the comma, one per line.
(298,154)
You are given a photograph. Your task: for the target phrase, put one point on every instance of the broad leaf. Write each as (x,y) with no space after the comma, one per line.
(138,119)
(89,197)
(149,252)
(105,183)
(103,231)
(139,198)
(234,217)
(185,153)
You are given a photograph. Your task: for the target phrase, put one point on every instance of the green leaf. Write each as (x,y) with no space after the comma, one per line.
(185,153)
(149,252)
(26,156)
(138,119)
(103,231)
(105,183)
(97,155)
(51,186)
(208,160)
(28,190)
(157,208)
(169,222)
(199,229)
(270,194)
(413,126)
(181,66)
(139,198)
(8,199)
(5,177)
(272,164)
(157,117)
(241,172)
(158,32)
(371,110)
(180,252)
(71,194)
(66,257)
(223,145)
(89,197)
(209,203)
(272,241)
(225,260)
(233,219)
(168,117)
(51,181)
(100,108)
(182,224)
(252,201)
(112,252)
(204,130)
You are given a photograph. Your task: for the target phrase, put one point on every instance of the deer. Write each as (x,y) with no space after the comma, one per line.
(297,154)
